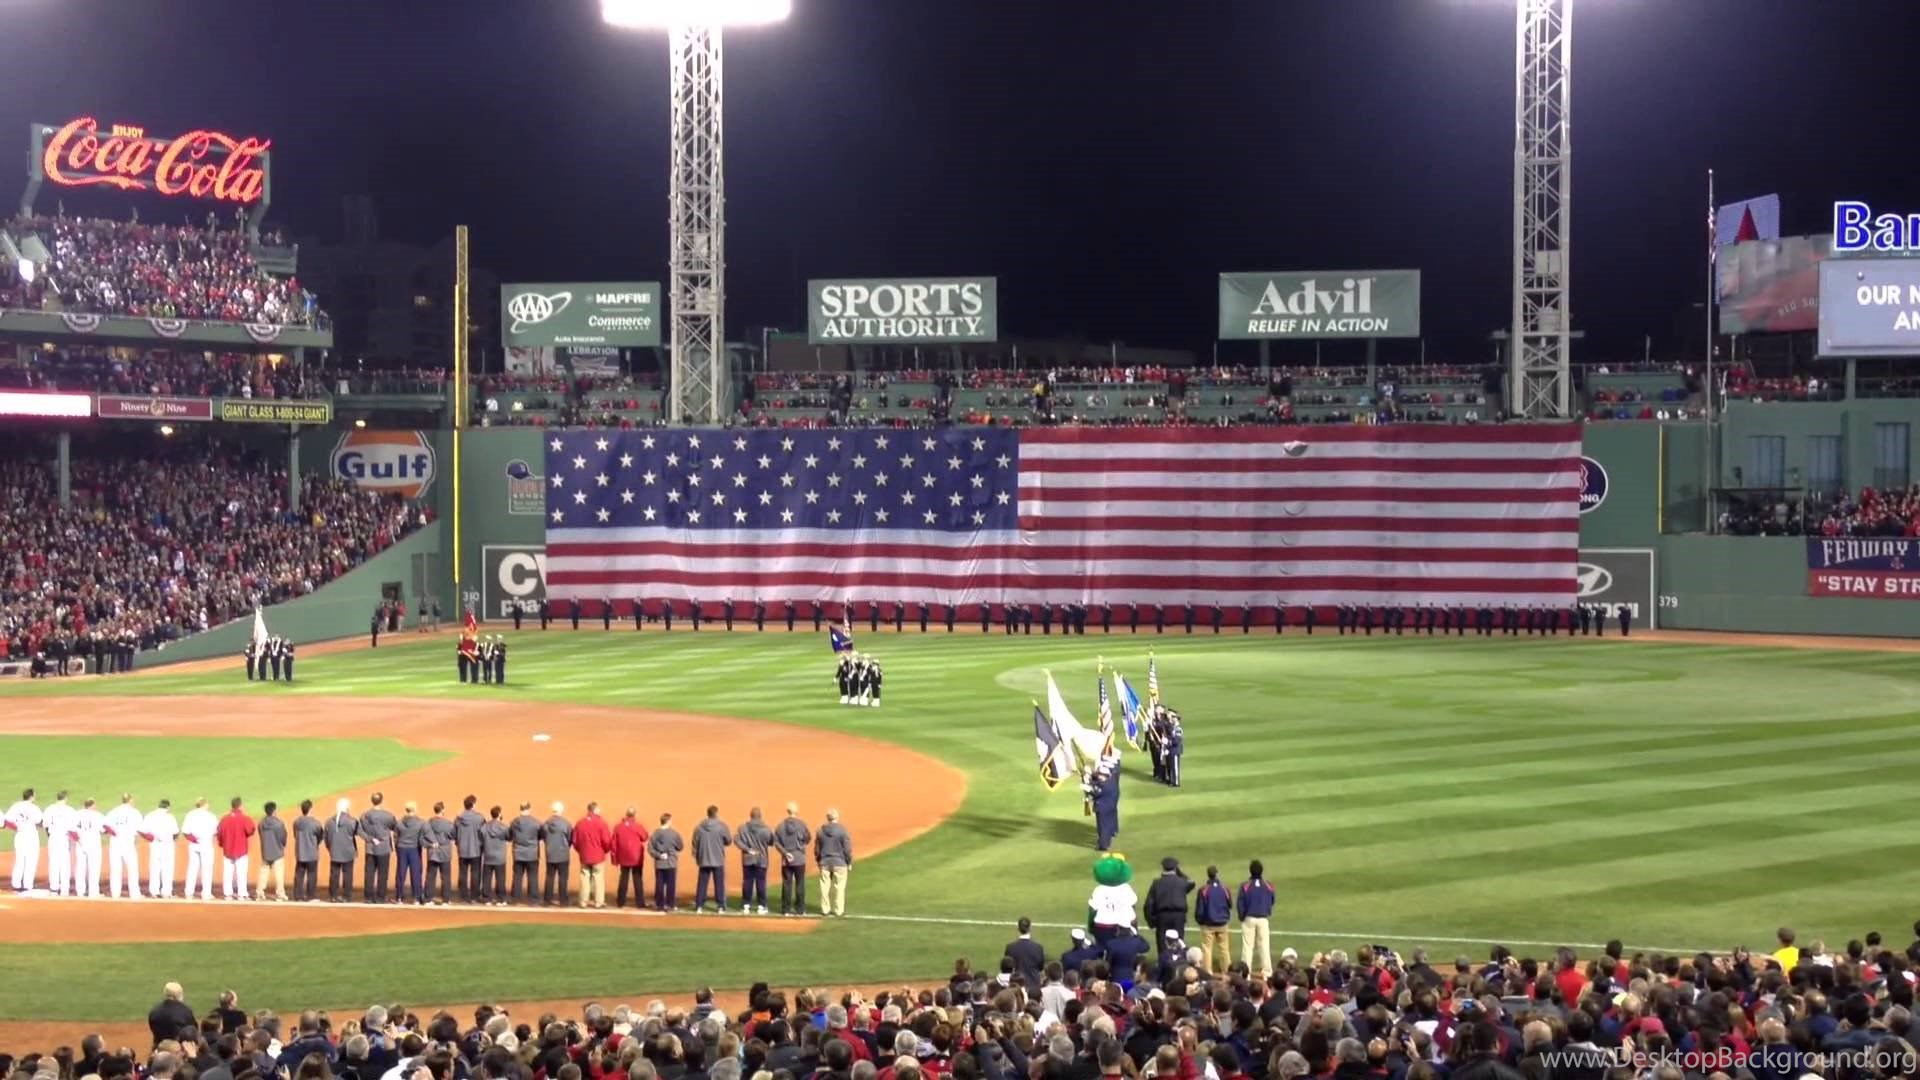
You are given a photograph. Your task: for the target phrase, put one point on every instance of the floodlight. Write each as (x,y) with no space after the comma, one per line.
(665,14)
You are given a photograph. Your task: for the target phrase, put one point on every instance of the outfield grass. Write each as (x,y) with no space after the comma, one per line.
(1445,792)
(256,769)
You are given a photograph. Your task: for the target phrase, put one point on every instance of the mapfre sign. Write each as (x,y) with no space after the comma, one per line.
(200,164)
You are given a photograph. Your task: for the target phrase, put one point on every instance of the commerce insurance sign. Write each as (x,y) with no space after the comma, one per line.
(612,314)
(903,311)
(1320,304)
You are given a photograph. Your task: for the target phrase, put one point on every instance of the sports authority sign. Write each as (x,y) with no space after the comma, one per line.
(157,409)
(613,314)
(1320,304)
(903,311)
(512,575)
(1862,567)
(1615,578)
(1870,307)
(200,164)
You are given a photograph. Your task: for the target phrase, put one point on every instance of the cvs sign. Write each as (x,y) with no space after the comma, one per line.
(512,575)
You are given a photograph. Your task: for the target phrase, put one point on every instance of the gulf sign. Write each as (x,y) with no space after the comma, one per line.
(390,462)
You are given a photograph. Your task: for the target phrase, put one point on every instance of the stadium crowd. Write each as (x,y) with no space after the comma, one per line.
(158,371)
(136,268)
(1110,1011)
(1893,513)
(166,543)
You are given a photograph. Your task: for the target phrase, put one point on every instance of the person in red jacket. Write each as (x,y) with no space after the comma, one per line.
(593,841)
(235,834)
(629,852)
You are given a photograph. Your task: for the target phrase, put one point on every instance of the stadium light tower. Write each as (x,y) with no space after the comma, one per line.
(1538,361)
(696,270)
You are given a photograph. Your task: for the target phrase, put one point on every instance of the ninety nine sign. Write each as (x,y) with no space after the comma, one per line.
(255,411)
(1322,304)
(903,311)
(611,314)
(202,163)
(130,407)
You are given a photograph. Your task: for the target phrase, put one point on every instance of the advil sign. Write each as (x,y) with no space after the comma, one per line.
(204,164)
(396,462)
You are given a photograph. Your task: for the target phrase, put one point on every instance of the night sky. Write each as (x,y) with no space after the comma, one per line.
(1105,159)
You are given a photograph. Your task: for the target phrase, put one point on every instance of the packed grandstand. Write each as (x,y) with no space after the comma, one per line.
(1069,1008)
(167,538)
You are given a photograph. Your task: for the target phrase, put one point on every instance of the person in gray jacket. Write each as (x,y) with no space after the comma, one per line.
(376,842)
(273,853)
(493,860)
(711,839)
(833,853)
(753,839)
(439,843)
(306,852)
(466,838)
(558,833)
(340,830)
(409,840)
(524,831)
(791,840)
(663,847)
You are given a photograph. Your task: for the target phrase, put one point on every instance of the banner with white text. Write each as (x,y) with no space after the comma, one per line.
(1320,304)
(903,311)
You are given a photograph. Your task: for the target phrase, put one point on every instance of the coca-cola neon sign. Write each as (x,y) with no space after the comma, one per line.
(201,164)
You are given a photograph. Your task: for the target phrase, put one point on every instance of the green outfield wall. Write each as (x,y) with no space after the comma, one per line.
(340,609)
(1657,477)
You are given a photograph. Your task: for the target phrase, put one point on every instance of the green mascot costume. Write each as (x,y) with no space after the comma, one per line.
(1113,901)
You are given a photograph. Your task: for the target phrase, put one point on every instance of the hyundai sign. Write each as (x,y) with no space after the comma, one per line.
(1869,307)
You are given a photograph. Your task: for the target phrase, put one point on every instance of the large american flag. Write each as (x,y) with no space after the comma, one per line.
(1401,514)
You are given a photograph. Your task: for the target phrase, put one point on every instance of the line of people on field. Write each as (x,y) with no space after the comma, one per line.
(407,858)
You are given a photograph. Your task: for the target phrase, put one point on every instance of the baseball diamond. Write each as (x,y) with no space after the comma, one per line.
(1129,561)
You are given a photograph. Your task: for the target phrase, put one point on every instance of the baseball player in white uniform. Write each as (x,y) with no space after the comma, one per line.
(200,827)
(58,821)
(23,818)
(160,830)
(123,854)
(89,824)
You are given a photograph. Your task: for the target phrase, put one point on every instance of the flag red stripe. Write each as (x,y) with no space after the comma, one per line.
(1476,466)
(1147,493)
(747,583)
(1039,552)
(1314,435)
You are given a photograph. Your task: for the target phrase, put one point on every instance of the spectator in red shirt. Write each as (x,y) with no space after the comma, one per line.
(629,854)
(235,834)
(593,840)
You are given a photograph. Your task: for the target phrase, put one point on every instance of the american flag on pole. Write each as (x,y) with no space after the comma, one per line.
(1392,514)
(1104,719)
(1153,680)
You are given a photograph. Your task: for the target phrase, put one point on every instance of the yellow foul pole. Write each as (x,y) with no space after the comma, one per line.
(460,321)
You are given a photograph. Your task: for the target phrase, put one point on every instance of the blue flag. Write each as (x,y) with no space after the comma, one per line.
(1129,707)
(841,640)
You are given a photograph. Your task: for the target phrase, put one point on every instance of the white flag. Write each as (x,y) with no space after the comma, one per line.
(259,629)
(1086,744)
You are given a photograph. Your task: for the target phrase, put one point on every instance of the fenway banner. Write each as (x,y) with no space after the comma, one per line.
(903,311)
(146,407)
(1769,286)
(1870,568)
(1320,304)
